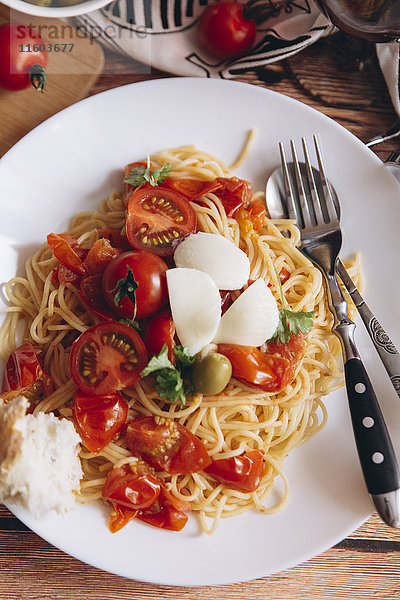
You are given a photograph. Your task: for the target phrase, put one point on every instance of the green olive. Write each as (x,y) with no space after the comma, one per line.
(211,374)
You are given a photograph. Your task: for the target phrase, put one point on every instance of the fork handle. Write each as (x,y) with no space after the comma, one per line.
(375,450)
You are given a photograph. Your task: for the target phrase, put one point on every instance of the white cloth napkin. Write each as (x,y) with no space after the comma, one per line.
(388,57)
(162,34)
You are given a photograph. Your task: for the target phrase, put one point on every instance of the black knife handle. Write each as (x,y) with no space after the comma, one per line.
(375,450)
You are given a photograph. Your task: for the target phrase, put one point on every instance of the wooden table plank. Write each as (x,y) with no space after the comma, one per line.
(33,569)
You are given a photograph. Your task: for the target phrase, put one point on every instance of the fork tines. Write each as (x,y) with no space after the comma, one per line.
(309,197)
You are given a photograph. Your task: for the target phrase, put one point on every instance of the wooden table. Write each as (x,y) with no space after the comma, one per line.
(366,565)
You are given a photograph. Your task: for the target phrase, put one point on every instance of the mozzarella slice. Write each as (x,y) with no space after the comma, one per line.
(252,319)
(195,305)
(214,254)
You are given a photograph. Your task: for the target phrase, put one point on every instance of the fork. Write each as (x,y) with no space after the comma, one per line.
(321,238)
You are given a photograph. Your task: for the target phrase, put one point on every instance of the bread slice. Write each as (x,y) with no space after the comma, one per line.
(39,463)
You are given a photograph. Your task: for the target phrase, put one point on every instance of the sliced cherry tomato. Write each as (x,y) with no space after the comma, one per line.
(135,284)
(120,516)
(132,486)
(91,292)
(233,193)
(65,251)
(158,219)
(99,255)
(165,444)
(99,418)
(159,331)
(166,513)
(23,375)
(116,239)
(106,358)
(242,472)
(61,274)
(293,351)
(224,31)
(271,370)
(192,189)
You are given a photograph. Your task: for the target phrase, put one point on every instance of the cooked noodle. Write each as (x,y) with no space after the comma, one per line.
(238,419)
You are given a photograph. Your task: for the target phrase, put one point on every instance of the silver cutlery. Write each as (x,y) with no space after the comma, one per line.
(312,207)
(390,134)
(276,204)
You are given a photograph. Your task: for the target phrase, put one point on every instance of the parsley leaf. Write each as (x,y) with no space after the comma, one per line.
(140,174)
(291,323)
(172,382)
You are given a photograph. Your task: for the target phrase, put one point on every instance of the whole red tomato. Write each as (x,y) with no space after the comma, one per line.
(23,58)
(224,31)
(135,285)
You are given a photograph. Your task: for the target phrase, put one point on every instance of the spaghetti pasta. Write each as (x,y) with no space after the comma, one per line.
(240,418)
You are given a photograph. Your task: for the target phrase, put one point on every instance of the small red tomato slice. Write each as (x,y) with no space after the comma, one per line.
(192,189)
(233,193)
(116,239)
(242,472)
(166,513)
(23,375)
(99,418)
(158,219)
(106,358)
(99,256)
(165,444)
(159,331)
(132,486)
(145,270)
(65,252)
(253,367)
(271,370)
(120,516)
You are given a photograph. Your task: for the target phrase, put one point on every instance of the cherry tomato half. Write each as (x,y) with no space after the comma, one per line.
(132,486)
(158,219)
(165,444)
(106,358)
(99,418)
(271,370)
(99,255)
(233,193)
(192,189)
(166,513)
(66,250)
(242,472)
(223,30)
(130,269)
(23,375)
(20,69)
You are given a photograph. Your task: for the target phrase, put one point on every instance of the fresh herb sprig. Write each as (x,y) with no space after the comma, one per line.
(291,322)
(142,174)
(172,381)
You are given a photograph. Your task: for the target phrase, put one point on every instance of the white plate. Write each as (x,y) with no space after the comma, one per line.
(73,160)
